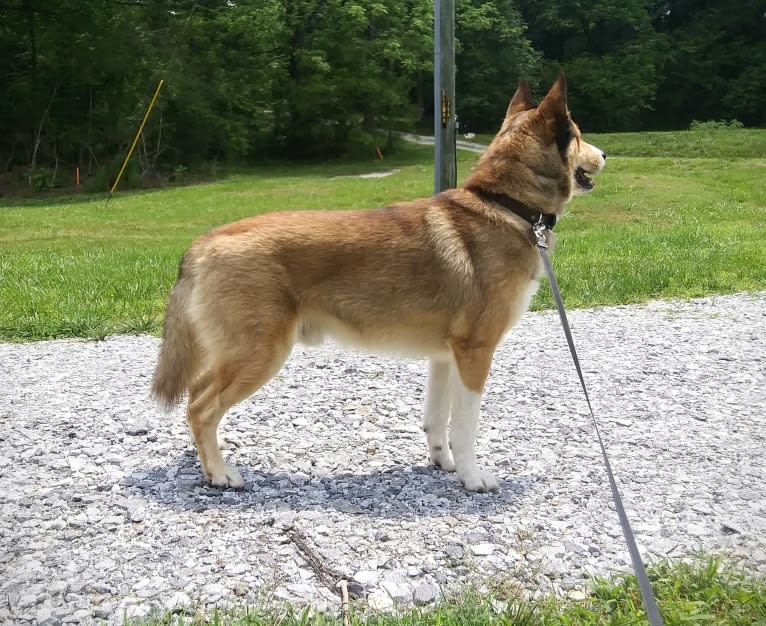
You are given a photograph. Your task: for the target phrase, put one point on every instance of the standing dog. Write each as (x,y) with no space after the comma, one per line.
(443,277)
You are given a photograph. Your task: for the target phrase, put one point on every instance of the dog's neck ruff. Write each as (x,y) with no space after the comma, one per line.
(533,216)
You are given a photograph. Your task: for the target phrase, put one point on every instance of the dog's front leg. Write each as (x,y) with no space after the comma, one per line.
(467,386)
(436,415)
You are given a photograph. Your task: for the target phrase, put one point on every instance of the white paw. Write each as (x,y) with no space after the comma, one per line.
(442,458)
(228,478)
(477,480)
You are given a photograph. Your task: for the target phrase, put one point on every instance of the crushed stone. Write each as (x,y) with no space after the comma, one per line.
(105,513)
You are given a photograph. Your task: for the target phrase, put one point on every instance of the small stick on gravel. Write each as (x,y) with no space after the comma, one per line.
(344,602)
(326,574)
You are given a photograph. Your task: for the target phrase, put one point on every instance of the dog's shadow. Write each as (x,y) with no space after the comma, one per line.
(394,492)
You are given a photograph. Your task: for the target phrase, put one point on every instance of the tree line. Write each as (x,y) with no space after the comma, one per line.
(254,79)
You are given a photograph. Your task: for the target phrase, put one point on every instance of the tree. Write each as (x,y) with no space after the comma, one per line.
(220,78)
(248,79)
(716,66)
(65,76)
(493,53)
(610,52)
(347,65)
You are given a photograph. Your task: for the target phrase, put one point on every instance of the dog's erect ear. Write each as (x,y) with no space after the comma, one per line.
(555,102)
(553,109)
(521,101)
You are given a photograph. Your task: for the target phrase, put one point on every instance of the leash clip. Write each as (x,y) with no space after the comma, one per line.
(539,228)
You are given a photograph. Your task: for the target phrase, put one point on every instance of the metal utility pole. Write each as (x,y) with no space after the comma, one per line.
(445,168)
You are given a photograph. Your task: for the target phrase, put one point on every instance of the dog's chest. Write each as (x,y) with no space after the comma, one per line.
(520,304)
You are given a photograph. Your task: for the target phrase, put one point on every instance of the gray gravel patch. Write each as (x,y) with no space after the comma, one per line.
(461,144)
(104,511)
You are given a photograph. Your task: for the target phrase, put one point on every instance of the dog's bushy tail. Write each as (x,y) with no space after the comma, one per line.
(180,354)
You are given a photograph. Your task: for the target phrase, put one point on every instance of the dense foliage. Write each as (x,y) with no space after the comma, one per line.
(248,79)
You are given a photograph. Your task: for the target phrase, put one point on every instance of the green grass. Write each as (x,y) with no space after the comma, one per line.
(665,227)
(695,593)
(743,143)
(655,227)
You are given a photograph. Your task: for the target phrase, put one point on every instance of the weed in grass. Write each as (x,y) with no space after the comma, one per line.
(143,324)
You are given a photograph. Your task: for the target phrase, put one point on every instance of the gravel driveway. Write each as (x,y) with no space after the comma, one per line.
(104,511)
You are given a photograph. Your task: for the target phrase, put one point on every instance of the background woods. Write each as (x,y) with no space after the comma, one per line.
(252,79)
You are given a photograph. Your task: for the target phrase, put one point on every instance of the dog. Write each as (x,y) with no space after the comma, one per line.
(442,277)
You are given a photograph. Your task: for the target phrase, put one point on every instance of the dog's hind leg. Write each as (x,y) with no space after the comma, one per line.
(203,415)
(220,388)
(473,365)
(436,414)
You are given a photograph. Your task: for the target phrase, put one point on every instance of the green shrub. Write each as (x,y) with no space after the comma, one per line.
(104,177)
(42,178)
(716,125)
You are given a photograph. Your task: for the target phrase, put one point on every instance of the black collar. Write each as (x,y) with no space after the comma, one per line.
(533,216)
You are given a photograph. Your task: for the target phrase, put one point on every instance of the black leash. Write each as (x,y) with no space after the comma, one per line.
(652,612)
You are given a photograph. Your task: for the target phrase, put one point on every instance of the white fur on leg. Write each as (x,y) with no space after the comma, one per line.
(436,415)
(465,417)
(226,476)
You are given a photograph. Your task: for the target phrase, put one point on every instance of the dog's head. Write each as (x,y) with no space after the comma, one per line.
(538,156)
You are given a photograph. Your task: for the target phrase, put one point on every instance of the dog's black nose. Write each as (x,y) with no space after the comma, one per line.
(603,155)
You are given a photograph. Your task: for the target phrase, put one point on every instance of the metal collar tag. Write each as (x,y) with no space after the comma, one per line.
(538,229)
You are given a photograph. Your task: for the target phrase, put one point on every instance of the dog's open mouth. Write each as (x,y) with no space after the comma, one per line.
(583,180)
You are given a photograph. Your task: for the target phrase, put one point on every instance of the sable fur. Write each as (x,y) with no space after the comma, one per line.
(442,277)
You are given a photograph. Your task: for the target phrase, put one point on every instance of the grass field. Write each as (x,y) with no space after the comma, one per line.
(673,215)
